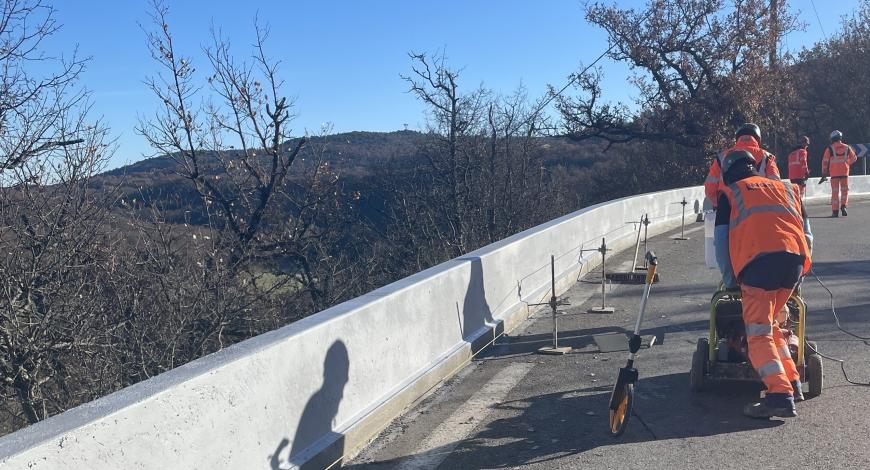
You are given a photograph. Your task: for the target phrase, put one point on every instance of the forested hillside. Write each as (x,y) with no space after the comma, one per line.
(241,226)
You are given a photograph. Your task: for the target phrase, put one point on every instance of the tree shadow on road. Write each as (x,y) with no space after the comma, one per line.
(546,428)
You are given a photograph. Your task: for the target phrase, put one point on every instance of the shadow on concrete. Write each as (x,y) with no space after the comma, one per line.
(315,444)
(549,427)
(475,313)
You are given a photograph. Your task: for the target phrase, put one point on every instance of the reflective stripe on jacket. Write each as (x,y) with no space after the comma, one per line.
(837,158)
(765,218)
(797,164)
(765,164)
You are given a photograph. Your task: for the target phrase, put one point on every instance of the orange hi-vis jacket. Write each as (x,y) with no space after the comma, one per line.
(765,161)
(837,158)
(797,164)
(765,218)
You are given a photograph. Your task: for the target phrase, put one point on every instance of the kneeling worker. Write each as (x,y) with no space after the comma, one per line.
(763,243)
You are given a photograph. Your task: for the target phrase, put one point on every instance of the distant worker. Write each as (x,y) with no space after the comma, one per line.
(798,171)
(748,138)
(766,268)
(835,163)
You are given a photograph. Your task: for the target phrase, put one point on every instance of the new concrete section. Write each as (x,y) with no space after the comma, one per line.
(555,416)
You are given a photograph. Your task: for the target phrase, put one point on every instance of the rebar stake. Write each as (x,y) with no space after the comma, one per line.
(604,308)
(683,236)
(645,233)
(554,304)
(637,245)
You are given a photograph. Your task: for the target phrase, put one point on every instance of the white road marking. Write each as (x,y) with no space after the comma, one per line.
(444,439)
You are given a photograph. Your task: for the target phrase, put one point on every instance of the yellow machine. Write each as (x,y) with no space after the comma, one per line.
(722,355)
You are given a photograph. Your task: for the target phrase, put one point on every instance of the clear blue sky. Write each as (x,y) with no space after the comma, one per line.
(342,59)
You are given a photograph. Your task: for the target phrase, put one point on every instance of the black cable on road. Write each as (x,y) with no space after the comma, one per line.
(839,327)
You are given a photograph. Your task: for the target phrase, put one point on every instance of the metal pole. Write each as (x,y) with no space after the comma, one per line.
(637,245)
(645,233)
(603,275)
(682,236)
(604,308)
(553,301)
(683,224)
(554,304)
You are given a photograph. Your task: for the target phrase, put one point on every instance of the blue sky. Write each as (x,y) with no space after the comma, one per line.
(342,58)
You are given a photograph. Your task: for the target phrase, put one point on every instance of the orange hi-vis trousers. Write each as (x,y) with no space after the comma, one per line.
(839,192)
(768,349)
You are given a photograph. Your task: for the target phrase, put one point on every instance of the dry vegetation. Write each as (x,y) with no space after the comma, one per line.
(107,279)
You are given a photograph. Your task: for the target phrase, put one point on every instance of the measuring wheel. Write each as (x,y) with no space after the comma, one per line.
(623,399)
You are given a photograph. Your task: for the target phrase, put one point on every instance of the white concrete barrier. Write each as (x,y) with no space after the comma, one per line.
(315,391)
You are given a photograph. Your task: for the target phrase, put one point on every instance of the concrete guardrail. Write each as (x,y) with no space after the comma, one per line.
(308,394)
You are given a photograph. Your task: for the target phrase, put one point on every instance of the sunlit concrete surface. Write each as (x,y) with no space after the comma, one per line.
(512,408)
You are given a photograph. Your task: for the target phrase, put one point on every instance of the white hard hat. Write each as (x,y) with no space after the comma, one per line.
(836,135)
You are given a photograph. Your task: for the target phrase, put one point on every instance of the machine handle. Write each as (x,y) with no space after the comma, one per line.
(653,262)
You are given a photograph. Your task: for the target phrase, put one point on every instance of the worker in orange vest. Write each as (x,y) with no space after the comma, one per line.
(767,269)
(798,172)
(748,137)
(835,163)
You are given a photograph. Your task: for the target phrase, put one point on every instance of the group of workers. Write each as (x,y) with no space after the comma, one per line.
(764,243)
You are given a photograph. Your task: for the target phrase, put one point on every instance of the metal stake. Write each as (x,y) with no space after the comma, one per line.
(682,236)
(604,308)
(646,223)
(637,245)
(554,304)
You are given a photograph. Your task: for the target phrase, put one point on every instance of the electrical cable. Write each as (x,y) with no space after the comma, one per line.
(818,19)
(574,77)
(839,327)
(834,310)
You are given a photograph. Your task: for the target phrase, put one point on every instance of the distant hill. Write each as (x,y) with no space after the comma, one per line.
(355,155)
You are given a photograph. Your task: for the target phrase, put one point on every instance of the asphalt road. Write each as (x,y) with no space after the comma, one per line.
(512,408)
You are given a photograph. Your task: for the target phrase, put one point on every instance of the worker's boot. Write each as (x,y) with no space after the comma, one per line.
(780,405)
(798,394)
(843,211)
(835,214)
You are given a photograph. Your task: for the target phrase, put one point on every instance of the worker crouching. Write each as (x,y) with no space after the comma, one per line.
(763,244)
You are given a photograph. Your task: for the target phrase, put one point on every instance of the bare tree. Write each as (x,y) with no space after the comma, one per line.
(483,178)
(55,267)
(273,212)
(32,104)
(703,67)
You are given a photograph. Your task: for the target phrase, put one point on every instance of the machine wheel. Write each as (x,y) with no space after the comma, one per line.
(815,375)
(620,416)
(697,376)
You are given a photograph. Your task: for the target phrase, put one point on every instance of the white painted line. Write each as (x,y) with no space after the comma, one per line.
(440,444)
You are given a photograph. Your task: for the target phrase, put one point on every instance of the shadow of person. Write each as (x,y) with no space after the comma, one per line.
(316,444)
(547,430)
(476,322)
